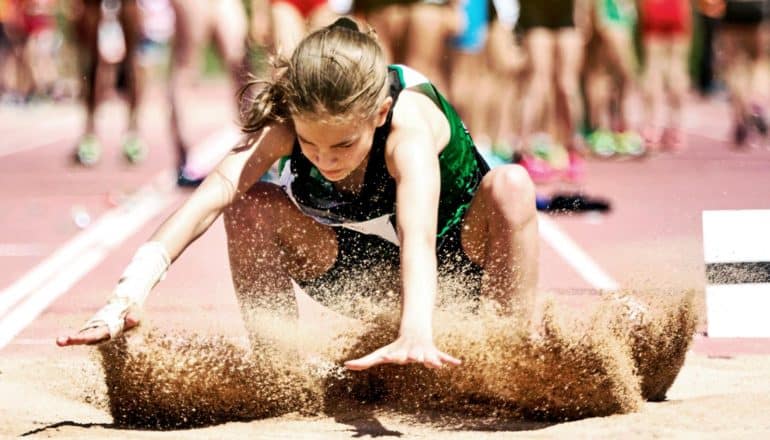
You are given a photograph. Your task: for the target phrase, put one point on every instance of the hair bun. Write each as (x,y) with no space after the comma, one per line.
(345,22)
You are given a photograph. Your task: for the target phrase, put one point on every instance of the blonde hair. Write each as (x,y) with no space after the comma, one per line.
(335,73)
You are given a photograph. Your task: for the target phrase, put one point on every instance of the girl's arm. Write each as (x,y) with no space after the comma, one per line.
(413,161)
(237,172)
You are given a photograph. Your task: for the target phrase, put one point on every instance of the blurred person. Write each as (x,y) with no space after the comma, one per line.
(744,43)
(293,19)
(197,23)
(506,62)
(470,76)
(390,19)
(41,39)
(709,12)
(610,79)
(432,25)
(17,76)
(108,34)
(552,34)
(666,34)
(481,54)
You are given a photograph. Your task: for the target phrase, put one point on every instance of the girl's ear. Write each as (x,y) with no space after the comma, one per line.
(382,113)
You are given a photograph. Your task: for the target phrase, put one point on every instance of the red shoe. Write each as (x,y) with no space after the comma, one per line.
(652,138)
(674,139)
(576,169)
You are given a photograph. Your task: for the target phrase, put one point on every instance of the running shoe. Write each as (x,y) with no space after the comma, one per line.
(88,150)
(576,168)
(758,120)
(185,180)
(540,171)
(629,143)
(652,138)
(740,134)
(134,150)
(543,147)
(674,139)
(602,143)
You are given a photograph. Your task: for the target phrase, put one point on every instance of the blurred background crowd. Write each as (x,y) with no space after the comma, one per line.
(544,83)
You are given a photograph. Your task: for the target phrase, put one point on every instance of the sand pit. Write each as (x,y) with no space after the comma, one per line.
(217,386)
(576,366)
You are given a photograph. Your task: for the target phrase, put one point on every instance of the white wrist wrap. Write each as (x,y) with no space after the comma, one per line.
(146,269)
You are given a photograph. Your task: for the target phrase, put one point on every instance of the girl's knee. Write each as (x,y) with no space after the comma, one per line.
(512,194)
(253,206)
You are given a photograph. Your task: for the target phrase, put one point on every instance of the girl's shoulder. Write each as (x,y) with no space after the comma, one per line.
(418,111)
(417,116)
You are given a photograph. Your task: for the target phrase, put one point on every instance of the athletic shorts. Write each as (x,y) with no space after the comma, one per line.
(550,14)
(473,38)
(37,23)
(746,11)
(305,7)
(665,17)
(369,265)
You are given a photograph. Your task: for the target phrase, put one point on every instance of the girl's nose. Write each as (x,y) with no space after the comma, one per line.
(326,160)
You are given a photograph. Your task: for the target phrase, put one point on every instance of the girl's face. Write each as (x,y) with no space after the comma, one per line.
(337,149)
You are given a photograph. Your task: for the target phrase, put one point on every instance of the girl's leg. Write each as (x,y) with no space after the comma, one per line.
(88,150)
(429,28)
(598,94)
(470,88)
(320,17)
(500,234)
(539,44)
(133,148)
(506,61)
(230,30)
(678,85)
(735,59)
(654,66)
(569,46)
(191,32)
(268,241)
(391,23)
(288,27)
(621,56)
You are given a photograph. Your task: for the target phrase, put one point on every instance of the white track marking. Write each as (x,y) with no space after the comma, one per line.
(56,275)
(574,255)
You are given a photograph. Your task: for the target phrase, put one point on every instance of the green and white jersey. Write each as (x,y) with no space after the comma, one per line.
(372,210)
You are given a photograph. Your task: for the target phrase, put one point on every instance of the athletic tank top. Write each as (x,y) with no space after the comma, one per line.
(372,210)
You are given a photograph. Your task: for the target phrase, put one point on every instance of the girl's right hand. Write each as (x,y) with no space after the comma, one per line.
(94,335)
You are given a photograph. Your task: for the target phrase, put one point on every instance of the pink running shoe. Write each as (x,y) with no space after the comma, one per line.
(576,169)
(652,138)
(539,170)
(674,139)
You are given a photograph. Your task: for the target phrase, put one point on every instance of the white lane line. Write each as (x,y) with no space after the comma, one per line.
(574,255)
(56,275)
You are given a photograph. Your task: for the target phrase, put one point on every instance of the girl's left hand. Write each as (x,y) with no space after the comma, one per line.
(405,350)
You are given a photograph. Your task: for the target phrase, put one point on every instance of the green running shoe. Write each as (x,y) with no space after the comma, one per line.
(134,149)
(602,143)
(629,143)
(89,151)
(545,148)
